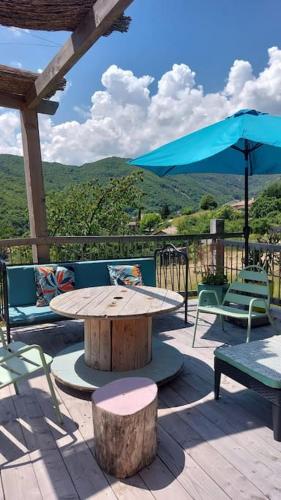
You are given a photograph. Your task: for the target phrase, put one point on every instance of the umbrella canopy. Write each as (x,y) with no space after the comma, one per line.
(246,143)
(218,148)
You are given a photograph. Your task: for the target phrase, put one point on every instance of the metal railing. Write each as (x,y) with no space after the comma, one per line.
(201,249)
(204,251)
(266,255)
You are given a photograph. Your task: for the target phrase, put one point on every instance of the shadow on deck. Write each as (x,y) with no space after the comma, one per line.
(207,449)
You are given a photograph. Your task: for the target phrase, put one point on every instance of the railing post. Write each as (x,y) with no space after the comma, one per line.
(217,246)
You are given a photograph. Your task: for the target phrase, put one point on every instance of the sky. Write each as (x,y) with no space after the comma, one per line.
(183,64)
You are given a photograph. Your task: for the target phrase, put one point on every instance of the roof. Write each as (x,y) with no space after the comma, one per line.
(240,204)
(50,15)
(170,230)
(14,81)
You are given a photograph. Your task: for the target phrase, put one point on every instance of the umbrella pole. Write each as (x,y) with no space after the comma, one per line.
(246,202)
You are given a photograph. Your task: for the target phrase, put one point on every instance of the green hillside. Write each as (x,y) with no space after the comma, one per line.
(177,191)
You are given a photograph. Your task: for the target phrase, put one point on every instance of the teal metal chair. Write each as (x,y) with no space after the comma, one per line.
(247,297)
(18,361)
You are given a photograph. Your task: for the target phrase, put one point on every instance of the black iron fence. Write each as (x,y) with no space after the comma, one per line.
(203,250)
(264,254)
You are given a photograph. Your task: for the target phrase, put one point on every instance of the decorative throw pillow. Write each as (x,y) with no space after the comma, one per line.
(125,275)
(52,281)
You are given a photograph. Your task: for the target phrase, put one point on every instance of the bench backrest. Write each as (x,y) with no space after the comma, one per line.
(252,282)
(21,280)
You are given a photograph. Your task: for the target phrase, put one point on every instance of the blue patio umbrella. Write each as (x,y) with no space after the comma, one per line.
(246,143)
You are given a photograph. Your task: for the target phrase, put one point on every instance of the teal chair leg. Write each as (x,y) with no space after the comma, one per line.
(51,387)
(195,327)
(249,328)
(222,323)
(53,396)
(16,388)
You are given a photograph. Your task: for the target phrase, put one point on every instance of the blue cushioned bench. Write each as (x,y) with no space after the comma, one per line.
(18,289)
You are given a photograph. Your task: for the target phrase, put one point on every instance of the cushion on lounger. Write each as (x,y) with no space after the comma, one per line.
(260,359)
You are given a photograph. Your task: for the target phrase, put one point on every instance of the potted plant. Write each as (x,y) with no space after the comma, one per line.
(211,280)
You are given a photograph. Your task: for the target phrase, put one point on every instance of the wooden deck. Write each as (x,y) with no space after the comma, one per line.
(207,449)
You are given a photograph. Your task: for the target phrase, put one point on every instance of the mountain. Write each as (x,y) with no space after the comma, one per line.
(177,191)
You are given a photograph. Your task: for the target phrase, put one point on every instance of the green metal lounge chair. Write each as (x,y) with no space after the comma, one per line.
(19,361)
(247,297)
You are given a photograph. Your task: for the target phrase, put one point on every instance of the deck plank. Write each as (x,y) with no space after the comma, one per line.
(191,476)
(206,449)
(134,488)
(80,411)
(17,471)
(232,482)
(49,468)
(258,473)
(82,467)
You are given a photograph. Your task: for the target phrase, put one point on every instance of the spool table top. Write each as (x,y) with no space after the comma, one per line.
(113,302)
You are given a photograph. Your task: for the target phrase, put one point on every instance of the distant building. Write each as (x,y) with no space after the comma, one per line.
(170,231)
(134,225)
(240,204)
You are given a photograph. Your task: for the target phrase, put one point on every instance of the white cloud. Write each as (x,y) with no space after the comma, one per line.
(125,119)
(10,141)
(16,64)
(18,32)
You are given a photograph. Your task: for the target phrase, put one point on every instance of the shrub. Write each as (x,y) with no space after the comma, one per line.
(212,278)
(150,222)
(208,202)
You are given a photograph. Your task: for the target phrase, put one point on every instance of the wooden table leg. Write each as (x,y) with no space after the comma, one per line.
(98,343)
(118,345)
(131,343)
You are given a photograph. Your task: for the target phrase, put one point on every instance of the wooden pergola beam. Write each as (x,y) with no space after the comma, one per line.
(34,183)
(18,102)
(97,22)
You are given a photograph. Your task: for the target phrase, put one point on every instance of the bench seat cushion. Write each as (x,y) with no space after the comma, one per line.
(30,314)
(260,359)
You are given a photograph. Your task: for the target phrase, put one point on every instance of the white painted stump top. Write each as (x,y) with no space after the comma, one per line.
(109,302)
(125,396)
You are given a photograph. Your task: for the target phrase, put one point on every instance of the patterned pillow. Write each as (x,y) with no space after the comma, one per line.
(52,281)
(125,275)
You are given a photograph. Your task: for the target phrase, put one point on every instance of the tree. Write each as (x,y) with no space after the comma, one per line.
(264,206)
(273,190)
(93,208)
(187,211)
(150,222)
(208,202)
(165,211)
(227,212)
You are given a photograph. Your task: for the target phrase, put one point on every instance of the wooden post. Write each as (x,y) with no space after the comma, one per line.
(217,227)
(34,183)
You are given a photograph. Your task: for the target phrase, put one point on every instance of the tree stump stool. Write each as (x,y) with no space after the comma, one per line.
(124,416)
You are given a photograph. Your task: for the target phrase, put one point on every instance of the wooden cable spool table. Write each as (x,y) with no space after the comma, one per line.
(117,324)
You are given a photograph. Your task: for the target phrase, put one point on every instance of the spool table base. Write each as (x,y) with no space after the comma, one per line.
(70,369)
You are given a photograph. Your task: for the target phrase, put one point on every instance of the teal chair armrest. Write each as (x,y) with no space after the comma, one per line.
(252,304)
(20,352)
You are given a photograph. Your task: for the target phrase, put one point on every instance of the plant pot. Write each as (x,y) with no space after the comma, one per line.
(209,299)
